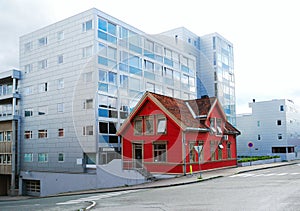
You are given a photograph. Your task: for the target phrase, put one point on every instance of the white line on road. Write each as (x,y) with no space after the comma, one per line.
(95,198)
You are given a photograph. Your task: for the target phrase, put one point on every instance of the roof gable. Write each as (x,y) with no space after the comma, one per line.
(185,113)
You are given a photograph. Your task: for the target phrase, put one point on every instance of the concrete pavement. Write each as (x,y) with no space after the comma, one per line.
(181,180)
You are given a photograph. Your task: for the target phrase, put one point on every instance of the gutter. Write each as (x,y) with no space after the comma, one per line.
(197,129)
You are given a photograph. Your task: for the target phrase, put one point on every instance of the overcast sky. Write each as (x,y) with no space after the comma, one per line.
(265,34)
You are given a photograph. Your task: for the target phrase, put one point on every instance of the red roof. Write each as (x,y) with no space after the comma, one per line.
(187,113)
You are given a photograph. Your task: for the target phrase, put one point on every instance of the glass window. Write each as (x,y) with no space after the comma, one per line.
(160,151)
(60,35)
(28,157)
(103,127)
(278,122)
(279,136)
(42,41)
(60,107)
(42,157)
(281,107)
(168,53)
(219,127)
(60,59)
(88,25)
(28,134)
(28,112)
(61,132)
(28,46)
(61,157)
(123,81)
(88,130)
(112,78)
(42,64)
(27,68)
(161,125)
(42,134)
(102,24)
(135,84)
(1,136)
(88,104)
(150,87)
(149,125)
(149,45)
(112,53)
(112,102)
(43,87)
(60,83)
(138,127)
(213,125)
(212,150)
(102,75)
(228,150)
(112,28)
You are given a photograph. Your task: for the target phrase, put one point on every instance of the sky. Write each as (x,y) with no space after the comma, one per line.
(265,34)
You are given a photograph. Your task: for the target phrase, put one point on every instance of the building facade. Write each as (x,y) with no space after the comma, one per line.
(82,77)
(273,128)
(165,135)
(10,121)
(215,65)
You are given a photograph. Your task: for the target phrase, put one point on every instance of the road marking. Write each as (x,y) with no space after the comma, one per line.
(245,175)
(95,198)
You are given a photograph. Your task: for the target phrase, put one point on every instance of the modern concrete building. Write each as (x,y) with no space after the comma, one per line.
(9,131)
(273,128)
(81,77)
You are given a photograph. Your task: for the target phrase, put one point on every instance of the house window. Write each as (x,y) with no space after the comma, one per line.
(258,137)
(60,59)
(212,150)
(60,107)
(213,125)
(279,136)
(28,46)
(1,136)
(193,153)
(149,124)
(42,64)
(88,104)
(42,157)
(60,35)
(258,123)
(228,150)
(138,127)
(28,157)
(278,122)
(28,112)
(61,132)
(88,25)
(42,41)
(61,157)
(28,68)
(28,134)
(88,130)
(160,151)
(220,151)
(161,125)
(42,134)
(60,83)
(219,127)
(281,108)
(43,87)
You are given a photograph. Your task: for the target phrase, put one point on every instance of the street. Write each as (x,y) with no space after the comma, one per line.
(270,189)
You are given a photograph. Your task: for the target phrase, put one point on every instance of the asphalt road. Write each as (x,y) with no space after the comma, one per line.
(270,189)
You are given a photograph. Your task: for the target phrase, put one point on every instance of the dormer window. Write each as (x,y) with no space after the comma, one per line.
(216,126)
(161,125)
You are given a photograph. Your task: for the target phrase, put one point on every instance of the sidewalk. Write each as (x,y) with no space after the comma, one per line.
(181,180)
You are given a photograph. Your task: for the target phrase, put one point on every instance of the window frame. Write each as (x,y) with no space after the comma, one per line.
(163,152)
(158,119)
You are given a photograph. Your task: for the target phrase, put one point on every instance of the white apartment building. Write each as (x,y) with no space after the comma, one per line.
(273,128)
(80,79)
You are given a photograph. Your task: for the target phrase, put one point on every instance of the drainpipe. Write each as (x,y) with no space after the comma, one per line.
(184,152)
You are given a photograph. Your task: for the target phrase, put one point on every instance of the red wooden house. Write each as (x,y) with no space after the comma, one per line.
(162,135)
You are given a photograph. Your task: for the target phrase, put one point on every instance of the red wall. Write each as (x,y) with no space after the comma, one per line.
(175,149)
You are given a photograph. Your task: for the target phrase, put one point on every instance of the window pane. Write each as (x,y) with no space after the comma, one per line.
(161,125)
